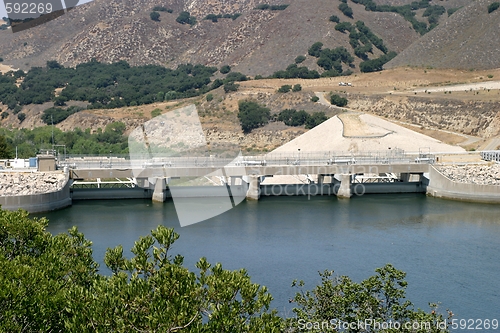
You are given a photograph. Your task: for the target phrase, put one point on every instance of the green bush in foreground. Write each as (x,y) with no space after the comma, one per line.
(52,284)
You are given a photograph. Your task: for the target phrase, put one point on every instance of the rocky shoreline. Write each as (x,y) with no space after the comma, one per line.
(481,174)
(24,183)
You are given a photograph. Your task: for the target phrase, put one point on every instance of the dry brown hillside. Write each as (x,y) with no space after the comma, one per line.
(258,42)
(470,38)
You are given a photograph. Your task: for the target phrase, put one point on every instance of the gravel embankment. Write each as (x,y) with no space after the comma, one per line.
(21,183)
(482,174)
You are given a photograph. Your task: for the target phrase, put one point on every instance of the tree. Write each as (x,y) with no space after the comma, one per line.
(345,9)
(53,64)
(252,115)
(230,86)
(379,299)
(155,16)
(334,18)
(315,49)
(297,87)
(5,151)
(285,88)
(300,59)
(186,18)
(60,101)
(338,101)
(314,99)
(21,116)
(315,119)
(225,69)
(493,6)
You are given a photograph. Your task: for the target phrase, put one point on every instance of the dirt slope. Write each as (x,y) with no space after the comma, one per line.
(468,39)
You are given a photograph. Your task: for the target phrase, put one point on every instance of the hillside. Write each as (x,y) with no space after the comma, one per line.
(467,39)
(257,42)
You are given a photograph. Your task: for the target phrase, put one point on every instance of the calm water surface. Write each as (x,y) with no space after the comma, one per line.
(450,250)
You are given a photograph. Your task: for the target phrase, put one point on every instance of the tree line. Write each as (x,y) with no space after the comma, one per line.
(105,85)
(252,115)
(78,141)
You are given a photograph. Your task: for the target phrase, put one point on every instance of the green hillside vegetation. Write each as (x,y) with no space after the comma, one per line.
(266,6)
(162,9)
(55,115)
(215,18)
(105,85)
(53,284)
(408,12)
(292,117)
(186,18)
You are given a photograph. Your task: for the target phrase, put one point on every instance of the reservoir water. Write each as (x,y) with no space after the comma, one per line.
(449,250)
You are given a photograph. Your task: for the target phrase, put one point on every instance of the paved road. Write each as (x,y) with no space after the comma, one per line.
(494,144)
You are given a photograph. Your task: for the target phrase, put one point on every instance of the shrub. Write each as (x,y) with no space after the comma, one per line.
(210,97)
(5,114)
(252,115)
(17,109)
(338,101)
(1,59)
(297,87)
(450,11)
(60,101)
(186,18)
(212,17)
(343,26)
(315,49)
(334,18)
(160,9)
(235,76)
(300,59)
(231,86)
(494,6)
(155,113)
(155,16)
(490,76)
(21,116)
(314,99)
(285,88)
(225,69)
(266,6)
(315,119)
(345,9)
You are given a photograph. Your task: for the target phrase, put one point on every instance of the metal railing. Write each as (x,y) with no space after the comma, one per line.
(396,156)
(491,155)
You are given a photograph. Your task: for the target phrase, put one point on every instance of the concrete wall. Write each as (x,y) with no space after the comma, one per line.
(110,193)
(386,188)
(441,187)
(37,203)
